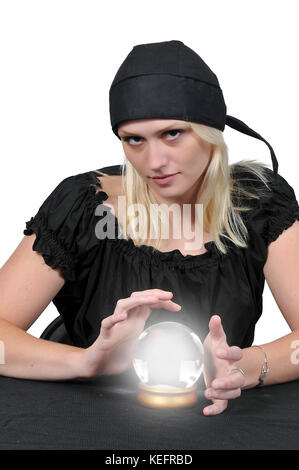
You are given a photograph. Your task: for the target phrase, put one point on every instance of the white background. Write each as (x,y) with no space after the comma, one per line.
(58,59)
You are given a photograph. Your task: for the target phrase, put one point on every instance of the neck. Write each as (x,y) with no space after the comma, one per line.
(188,198)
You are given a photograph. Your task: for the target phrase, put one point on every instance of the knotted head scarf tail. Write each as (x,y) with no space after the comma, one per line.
(242,127)
(168,80)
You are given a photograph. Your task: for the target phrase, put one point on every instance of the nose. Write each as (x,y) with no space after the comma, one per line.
(156,157)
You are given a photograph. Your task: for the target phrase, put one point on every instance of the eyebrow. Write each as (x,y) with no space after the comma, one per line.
(155,133)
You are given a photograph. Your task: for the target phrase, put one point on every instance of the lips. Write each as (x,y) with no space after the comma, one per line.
(164,176)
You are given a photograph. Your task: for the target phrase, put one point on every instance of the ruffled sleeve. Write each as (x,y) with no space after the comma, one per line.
(279,207)
(65,226)
(273,210)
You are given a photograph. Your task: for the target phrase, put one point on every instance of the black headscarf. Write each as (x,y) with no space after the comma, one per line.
(169,80)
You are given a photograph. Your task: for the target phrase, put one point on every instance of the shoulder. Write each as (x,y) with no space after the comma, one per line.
(84,186)
(88,177)
(111,170)
(260,182)
(109,184)
(271,200)
(65,222)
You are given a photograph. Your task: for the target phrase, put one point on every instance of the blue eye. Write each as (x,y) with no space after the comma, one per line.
(174,130)
(128,138)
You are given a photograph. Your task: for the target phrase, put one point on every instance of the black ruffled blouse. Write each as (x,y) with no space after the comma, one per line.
(99,272)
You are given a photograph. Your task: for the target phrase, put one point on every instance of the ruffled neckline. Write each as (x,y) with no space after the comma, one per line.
(151,254)
(176,253)
(174,258)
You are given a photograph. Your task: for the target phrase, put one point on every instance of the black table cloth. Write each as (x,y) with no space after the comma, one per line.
(102,413)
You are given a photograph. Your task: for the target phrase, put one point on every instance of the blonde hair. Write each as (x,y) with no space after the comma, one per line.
(220,217)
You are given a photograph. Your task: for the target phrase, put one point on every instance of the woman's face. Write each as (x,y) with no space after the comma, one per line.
(157,147)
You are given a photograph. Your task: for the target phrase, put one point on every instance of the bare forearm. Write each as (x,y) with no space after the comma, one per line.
(24,356)
(281,354)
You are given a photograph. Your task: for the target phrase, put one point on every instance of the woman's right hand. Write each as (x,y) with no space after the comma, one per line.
(113,350)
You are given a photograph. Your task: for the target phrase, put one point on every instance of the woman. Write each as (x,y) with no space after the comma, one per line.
(167,108)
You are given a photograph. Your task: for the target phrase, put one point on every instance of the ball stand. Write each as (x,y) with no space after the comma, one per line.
(155,397)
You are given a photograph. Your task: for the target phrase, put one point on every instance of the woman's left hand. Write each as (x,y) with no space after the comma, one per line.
(219,361)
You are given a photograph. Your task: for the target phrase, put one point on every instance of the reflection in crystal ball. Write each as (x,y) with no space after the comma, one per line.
(168,355)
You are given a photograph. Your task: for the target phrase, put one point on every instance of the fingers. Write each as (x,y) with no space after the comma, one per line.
(162,295)
(217,407)
(221,394)
(158,300)
(223,389)
(227,387)
(233,380)
(151,291)
(232,353)
(110,321)
(216,329)
(139,299)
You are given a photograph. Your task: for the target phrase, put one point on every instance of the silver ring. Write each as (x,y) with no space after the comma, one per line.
(238,369)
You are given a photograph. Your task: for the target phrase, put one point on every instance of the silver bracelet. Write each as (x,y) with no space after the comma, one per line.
(265,367)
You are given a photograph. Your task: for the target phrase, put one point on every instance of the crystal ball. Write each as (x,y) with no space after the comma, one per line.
(168,355)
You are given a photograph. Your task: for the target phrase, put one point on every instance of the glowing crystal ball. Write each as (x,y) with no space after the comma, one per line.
(168,356)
